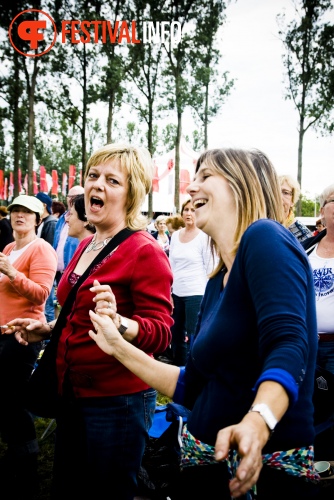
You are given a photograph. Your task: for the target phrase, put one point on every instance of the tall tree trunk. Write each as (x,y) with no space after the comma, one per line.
(84,110)
(206,116)
(16,125)
(110,117)
(300,160)
(31,127)
(150,148)
(177,161)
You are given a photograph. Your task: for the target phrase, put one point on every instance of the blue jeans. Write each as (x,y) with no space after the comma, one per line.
(49,309)
(99,446)
(325,356)
(185,314)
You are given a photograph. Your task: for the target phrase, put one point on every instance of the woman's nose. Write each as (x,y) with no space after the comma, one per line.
(99,182)
(192,187)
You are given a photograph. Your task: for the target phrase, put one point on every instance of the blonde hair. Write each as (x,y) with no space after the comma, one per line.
(294,185)
(137,163)
(249,174)
(160,218)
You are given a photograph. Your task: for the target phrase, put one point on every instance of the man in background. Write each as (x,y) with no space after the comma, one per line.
(46,229)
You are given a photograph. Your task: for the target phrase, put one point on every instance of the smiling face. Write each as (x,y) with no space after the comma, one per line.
(106,189)
(23,220)
(213,200)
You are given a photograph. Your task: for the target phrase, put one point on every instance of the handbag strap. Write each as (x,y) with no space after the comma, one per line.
(111,245)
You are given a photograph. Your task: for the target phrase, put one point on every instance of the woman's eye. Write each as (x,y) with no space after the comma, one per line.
(112,180)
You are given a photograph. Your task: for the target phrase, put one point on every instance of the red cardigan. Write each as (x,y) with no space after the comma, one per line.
(139,274)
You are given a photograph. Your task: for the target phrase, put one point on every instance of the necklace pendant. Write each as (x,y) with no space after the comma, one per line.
(95,246)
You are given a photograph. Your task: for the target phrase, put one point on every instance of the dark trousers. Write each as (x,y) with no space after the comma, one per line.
(99,445)
(17,427)
(185,315)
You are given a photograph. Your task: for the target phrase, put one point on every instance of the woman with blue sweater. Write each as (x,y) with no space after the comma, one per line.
(249,378)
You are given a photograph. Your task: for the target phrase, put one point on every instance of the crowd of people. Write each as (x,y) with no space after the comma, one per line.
(207,289)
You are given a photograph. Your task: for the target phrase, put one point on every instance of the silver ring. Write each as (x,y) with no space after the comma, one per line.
(109,305)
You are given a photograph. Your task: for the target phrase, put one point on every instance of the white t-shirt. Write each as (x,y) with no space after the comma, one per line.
(323,275)
(191,263)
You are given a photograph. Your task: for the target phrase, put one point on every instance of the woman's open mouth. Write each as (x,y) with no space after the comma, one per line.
(96,204)
(199,203)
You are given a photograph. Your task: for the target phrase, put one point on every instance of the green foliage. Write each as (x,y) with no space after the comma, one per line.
(307,206)
(309,62)
(60,153)
(54,93)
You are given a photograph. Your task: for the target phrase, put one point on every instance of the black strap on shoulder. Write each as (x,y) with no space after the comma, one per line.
(111,245)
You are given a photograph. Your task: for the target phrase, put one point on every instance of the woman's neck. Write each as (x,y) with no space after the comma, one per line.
(102,233)
(191,228)
(85,234)
(21,240)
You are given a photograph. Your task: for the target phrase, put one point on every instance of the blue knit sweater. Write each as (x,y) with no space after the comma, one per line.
(263,320)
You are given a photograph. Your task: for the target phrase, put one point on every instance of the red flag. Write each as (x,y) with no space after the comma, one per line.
(11,184)
(5,191)
(64,184)
(1,185)
(170,164)
(155,181)
(43,185)
(184,180)
(55,186)
(20,181)
(71,177)
(35,185)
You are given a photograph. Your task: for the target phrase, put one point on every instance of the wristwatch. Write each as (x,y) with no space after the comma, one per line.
(124,325)
(266,414)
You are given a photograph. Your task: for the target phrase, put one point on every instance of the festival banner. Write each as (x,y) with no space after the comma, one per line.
(55,187)
(71,178)
(43,185)
(2,186)
(11,185)
(35,185)
(20,181)
(5,190)
(64,184)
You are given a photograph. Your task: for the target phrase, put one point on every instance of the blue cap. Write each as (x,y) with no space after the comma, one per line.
(44,198)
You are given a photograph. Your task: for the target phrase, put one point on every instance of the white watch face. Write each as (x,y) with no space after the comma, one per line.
(266,414)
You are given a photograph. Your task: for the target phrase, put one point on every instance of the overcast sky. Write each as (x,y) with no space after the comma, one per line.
(256,114)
